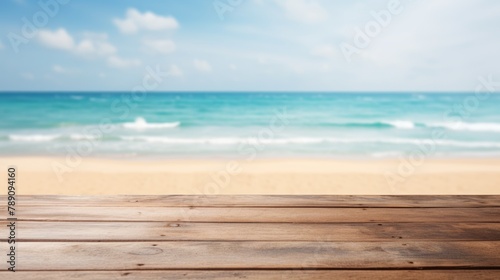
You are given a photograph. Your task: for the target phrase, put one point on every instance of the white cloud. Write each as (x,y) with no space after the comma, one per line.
(58,39)
(91,45)
(95,44)
(232,67)
(304,11)
(59,69)
(118,62)
(1,45)
(160,46)
(135,21)
(175,71)
(202,65)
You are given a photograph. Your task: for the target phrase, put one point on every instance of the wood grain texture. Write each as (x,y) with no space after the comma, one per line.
(255,237)
(459,274)
(255,255)
(321,201)
(264,215)
(160,231)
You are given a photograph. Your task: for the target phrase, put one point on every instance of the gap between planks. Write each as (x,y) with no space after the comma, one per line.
(269,201)
(260,274)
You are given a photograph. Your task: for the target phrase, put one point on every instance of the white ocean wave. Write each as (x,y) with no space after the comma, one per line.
(78,137)
(169,140)
(491,127)
(33,138)
(401,124)
(141,123)
(302,140)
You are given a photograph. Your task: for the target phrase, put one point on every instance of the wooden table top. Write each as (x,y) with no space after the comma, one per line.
(254,237)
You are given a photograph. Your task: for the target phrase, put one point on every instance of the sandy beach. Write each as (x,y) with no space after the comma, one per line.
(271,176)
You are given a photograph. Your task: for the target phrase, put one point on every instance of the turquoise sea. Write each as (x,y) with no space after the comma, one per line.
(192,125)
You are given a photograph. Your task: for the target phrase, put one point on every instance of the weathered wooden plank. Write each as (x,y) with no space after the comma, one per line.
(322,201)
(250,274)
(255,255)
(281,215)
(158,231)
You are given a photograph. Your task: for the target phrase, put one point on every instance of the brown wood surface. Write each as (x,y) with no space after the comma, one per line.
(321,201)
(263,255)
(255,237)
(459,274)
(160,231)
(255,215)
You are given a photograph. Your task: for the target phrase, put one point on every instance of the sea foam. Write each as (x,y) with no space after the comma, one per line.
(141,123)
(304,141)
(487,127)
(33,138)
(402,124)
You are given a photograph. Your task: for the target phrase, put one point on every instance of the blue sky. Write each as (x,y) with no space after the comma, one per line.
(250,45)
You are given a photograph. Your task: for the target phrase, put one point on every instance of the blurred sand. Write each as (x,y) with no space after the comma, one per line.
(283,176)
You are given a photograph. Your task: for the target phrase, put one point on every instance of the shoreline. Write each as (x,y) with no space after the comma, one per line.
(292,176)
(210,158)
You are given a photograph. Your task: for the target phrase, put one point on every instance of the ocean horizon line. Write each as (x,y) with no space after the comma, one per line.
(235,92)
